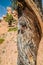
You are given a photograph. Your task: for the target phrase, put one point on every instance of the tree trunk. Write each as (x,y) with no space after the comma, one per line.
(29,34)
(36,12)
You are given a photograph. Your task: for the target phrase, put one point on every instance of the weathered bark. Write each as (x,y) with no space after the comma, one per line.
(36,12)
(29,35)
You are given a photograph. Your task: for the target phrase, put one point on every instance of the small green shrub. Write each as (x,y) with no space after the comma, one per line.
(1,40)
(12,29)
(9,18)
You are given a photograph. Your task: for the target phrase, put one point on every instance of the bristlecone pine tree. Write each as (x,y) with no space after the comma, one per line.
(13,4)
(29,32)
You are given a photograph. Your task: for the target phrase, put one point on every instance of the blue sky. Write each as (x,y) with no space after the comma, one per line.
(42,2)
(3,5)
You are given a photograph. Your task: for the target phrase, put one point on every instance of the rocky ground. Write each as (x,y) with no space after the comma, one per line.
(8,49)
(3,27)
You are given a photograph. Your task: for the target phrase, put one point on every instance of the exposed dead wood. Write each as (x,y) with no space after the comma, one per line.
(35,10)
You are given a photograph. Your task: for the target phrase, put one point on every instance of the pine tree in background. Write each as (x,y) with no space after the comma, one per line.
(39,3)
(14,4)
